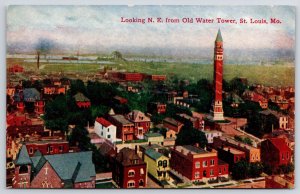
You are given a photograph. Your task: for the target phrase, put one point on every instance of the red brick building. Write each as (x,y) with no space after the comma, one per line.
(157,77)
(172,124)
(47,147)
(70,170)
(129,170)
(197,164)
(135,77)
(82,101)
(16,69)
(125,128)
(157,107)
(39,107)
(141,123)
(230,155)
(275,152)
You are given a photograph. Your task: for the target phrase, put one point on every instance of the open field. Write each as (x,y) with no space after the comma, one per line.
(277,75)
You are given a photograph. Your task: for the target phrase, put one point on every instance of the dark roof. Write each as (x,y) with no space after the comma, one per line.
(121,119)
(127,156)
(153,134)
(219,36)
(172,121)
(31,94)
(23,157)
(77,166)
(153,154)
(79,97)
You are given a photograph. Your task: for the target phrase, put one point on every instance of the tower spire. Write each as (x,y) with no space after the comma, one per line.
(219,36)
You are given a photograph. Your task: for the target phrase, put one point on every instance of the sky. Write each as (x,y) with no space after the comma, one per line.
(99,28)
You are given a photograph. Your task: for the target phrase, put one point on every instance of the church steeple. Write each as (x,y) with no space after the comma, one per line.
(219,36)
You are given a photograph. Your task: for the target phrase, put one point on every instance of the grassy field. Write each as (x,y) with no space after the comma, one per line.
(267,75)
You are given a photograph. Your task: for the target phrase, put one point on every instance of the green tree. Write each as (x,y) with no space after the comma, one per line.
(240,170)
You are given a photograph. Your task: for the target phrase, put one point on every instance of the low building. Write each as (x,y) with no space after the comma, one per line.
(172,124)
(154,138)
(129,170)
(157,107)
(125,128)
(69,170)
(47,147)
(158,165)
(252,153)
(275,152)
(82,101)
(141,122)
(210,134)
(105,129)
(197,164)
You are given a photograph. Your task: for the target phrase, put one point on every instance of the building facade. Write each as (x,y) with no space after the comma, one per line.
(105,129)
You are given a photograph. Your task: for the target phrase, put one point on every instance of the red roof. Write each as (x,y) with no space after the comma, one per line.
(258,97)
(280,144)
(103,121)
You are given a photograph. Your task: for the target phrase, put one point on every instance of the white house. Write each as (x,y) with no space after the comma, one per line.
(211,134)
(105,129)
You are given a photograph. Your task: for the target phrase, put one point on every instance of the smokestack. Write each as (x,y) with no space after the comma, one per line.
(38,60)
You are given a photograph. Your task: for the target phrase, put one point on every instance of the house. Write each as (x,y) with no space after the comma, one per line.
(157,107)
(141,122)
(197,123)
(252,153)
(157,77)
(282,121)
(47,147)
(155,138)
(275,152)
(230,155)
(82,101)
(172,124)
(158,165)
(210,134)
(197,164)
(170,138)
(256,97)
(69,170)
(105,129)
(125,128)
(129,170)
(131,76)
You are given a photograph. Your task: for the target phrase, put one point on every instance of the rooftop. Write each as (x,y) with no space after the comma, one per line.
(103,121)
(190,149)
(121,119)
(153,154)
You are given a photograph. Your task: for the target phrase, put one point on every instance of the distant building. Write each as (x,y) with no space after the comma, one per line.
(197,164)
(252,153)
(105,129)
(70,170)
(47,147)
(275,152)
(82,101)
(141,122)
(230,155)
(255,97)
(125,128)
(197,123)
(158,165)
(157,77)
(157,107)
(131,76)
(16,69)
(129,170)
(210,134)
(154,138)
(282,121)
(172,124)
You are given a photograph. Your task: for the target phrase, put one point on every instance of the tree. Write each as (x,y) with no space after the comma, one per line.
(256,169)
(240,170)
(190,136)
(117,55)
(77,86)
(79,136)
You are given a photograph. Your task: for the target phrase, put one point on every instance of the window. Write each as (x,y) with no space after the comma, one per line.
(131,184)
(101,133)
(131,173)
(282,156)
(211,172)
(48,149)
(165,163)
(197,174)
(107,129)
(212,162)
(142,171)
(141,183)
(220,170)
(30,150)
(108,136)
(135,161)
(60,148)
(23,169)
(51,149)
(197,165)
(159,163)
(204,163)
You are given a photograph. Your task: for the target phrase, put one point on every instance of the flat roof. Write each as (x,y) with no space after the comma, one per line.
(188,148)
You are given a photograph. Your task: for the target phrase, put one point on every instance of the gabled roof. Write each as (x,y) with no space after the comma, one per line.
(127,156)
(153,154)
(31,94)
(79,97)
(77,166)
(138,116)
(103,121)
(280,144)
(23,157)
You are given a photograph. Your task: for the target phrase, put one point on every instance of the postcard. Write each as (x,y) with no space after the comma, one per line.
(169,96)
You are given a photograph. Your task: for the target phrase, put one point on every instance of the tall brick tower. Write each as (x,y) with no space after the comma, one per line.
(217,105)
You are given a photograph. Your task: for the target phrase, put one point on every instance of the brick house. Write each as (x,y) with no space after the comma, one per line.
(70,170)
(141,123)
(105,129)
(47,147)
(131,76)
(172,124)
(125,128)
(129,170)
(156,107)
(275,152)
(197,164)
(82,101)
